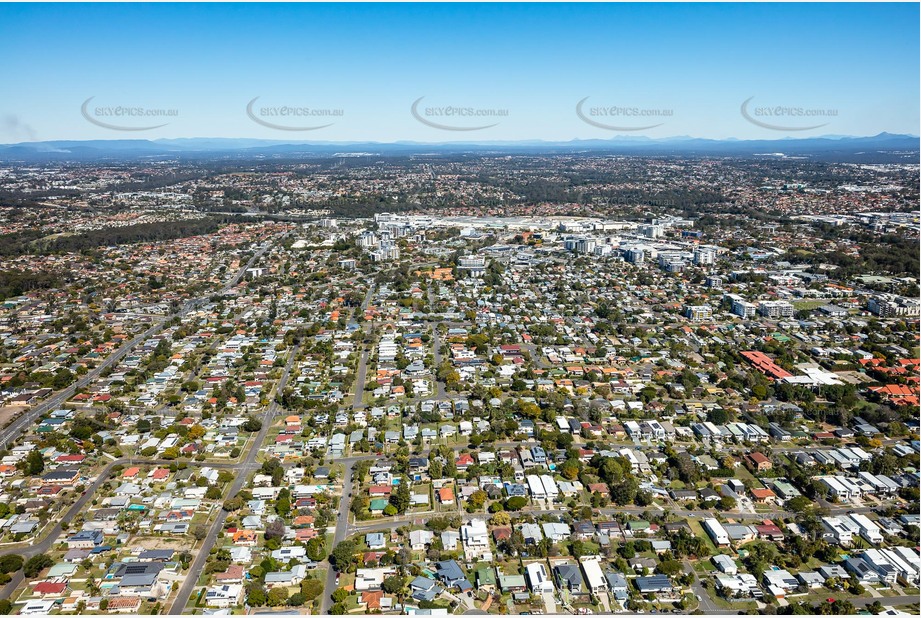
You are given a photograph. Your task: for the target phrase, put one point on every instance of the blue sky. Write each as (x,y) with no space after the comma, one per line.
(693,65)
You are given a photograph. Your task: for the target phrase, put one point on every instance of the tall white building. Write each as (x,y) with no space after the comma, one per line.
(704,257)
(775,309)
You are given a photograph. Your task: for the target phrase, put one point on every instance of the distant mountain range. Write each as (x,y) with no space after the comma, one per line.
(882,147)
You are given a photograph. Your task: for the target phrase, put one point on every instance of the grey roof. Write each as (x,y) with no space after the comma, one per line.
(618,584)
(422,583)
(449,571)
(653,583)
(137,573)
(568,575)
(156,554)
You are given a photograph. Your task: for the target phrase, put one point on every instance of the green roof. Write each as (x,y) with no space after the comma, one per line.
(511,581)
(485,575)
(379,504)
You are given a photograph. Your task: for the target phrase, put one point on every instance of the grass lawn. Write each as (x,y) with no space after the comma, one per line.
(698,531)
(808,304)
(703,567)
(817,596)
(351,602)
(737,606)
(742,473)
(887,592)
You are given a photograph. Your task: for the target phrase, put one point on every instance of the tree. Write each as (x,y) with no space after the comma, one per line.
(339,595)
(392,584)
(278,595)
(476,500)
(272,467)
(343,555)
(570,470)
(256,596)
(359,505)
(35,463)
(516,503)
(669,567)
(11,563)
(36,564)
(252,424)
(234,504)
(625,491)
(799,504)
(283,502)
(200,532)
(316,549)
(311,589)
(500,519)
(400,499)
(276,529)
(297,599)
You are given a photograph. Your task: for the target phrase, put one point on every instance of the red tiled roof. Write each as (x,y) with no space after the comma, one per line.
(50,588)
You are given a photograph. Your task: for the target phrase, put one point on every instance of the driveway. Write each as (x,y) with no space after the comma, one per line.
(549,603)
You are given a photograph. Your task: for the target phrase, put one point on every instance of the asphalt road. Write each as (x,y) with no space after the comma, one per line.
(342,526)
(342,517)
(198,565)
(27,550)
(440,393)
(361,373)
(17,426)
(11,431)
(706,605)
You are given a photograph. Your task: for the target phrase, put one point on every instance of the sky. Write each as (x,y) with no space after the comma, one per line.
(483,72)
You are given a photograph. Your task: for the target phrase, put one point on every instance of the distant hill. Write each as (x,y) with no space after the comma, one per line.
(877,148)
